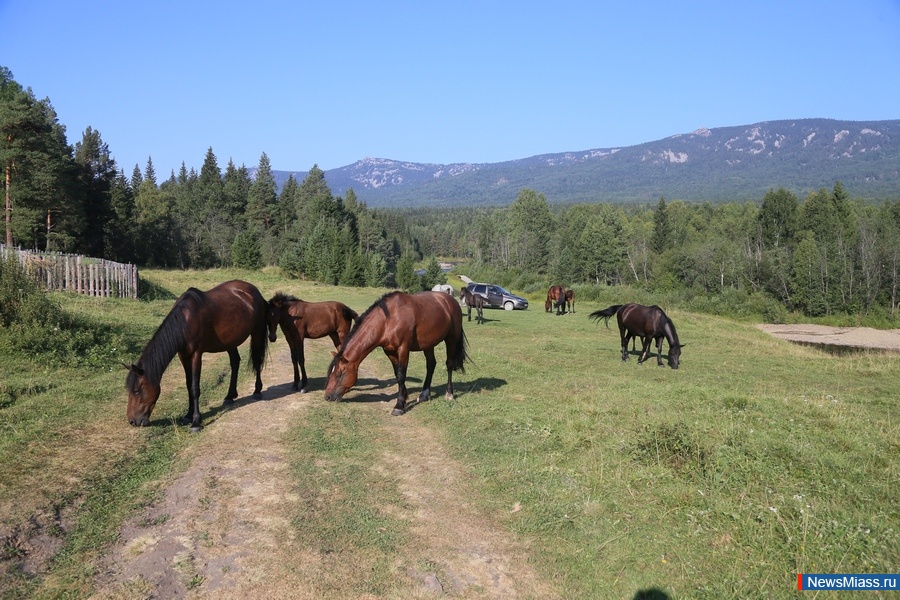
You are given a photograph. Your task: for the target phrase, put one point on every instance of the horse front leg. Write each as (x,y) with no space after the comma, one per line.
(659,344)
(625,338)
(235,358)
(192,364)
(301,360)
(430,364)
(400,362)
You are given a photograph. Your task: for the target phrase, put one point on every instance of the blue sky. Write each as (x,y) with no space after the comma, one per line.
(330,83)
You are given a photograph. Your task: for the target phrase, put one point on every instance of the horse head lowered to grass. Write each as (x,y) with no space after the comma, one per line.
(401,323)
(648,323)
(218,320)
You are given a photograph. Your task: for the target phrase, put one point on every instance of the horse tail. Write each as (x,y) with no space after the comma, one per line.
(259,342)
(349,314)
(461,355)
(606,313)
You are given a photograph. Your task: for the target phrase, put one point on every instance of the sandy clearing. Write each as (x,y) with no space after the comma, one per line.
(853,337)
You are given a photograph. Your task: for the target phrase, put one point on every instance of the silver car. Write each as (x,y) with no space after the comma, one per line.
(497,297)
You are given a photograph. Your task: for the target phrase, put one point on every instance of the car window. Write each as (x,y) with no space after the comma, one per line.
(479,289)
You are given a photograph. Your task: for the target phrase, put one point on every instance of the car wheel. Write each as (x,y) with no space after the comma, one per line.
(508,306)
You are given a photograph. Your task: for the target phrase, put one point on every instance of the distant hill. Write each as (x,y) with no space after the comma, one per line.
(725,163)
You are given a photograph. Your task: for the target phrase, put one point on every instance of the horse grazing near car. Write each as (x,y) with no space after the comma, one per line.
(401,323)
(300,320)
(556,298)
(475,301)
(570,301)
(648,323)
(218,320)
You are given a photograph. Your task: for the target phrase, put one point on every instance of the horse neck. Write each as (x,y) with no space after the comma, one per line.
(162,347)
(364,338)
(671,334)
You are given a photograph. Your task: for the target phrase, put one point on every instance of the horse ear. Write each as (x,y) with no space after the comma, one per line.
(134,368)
(334,353)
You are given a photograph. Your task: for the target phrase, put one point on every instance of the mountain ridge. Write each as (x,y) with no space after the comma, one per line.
(716,164)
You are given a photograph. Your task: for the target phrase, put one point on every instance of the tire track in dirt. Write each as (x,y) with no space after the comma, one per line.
(223,528)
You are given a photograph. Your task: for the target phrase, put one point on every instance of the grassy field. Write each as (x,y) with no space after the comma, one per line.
(754,461)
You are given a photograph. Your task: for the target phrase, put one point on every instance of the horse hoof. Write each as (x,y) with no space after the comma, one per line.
(257,396)
(227,401)
(196,428)
(397,412)
(302,390)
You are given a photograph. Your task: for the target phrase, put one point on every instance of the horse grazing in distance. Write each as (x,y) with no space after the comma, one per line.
(475,301)
(218,320)
(401,323)
(443,287)
(300,320)
(648,323)
(556,297)
(570,301)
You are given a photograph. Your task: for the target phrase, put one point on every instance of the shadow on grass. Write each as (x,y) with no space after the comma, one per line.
(651,594)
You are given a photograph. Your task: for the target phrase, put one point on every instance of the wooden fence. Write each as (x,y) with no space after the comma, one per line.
(75,273)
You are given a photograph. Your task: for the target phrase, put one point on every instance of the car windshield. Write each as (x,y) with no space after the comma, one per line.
(501,290)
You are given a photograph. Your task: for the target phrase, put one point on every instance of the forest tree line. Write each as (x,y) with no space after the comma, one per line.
(823,254)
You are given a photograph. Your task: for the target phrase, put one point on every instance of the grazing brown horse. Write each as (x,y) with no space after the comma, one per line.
(556,297)
(218,320)
(476,301)
(401,323)
(300,320)
(570,301)
(648,323)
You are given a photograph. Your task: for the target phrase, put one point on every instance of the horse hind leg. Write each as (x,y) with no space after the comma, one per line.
(646,344)
(430,364)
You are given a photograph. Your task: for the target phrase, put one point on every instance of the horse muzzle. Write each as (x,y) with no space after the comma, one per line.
(334,396)
(139,421)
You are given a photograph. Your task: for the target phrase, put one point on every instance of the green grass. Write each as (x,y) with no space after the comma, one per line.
(756,460)
(753,462)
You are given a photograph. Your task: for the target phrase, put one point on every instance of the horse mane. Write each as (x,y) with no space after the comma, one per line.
(169,337)
(381,304)
(281,298)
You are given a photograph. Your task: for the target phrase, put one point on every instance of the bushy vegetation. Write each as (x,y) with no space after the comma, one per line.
(35,324)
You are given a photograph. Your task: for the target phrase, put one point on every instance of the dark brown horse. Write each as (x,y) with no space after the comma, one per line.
(401,323)
(648,323)
(218,320)
(475,301)
(300,320)
(570,301)
(556,298)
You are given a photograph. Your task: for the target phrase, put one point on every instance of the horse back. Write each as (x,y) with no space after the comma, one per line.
(429,318)
(223,317)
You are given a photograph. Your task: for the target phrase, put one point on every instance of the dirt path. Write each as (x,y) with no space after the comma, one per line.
(222,528)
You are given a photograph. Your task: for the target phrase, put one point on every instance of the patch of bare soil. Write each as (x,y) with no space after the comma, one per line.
(850,337)
(222,528)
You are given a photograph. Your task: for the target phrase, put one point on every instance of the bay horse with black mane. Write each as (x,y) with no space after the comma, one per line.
(401,323)
(475,301)
(648,323)
(300,320)
(570,301)
(556,298)
(218,320)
